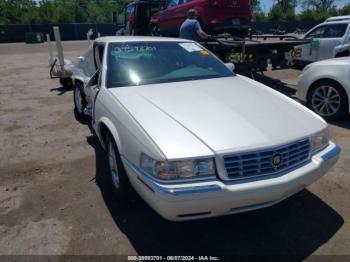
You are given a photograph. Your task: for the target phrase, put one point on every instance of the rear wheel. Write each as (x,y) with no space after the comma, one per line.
(328,99)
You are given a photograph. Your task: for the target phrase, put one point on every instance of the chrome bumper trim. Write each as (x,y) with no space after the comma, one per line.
(154,186)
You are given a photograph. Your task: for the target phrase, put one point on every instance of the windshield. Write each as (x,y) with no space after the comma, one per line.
(142,63)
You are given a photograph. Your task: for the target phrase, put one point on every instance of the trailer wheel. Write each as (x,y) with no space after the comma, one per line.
(155,31)
(80,102)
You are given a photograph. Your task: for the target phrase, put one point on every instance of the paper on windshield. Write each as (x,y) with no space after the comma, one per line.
(190,47)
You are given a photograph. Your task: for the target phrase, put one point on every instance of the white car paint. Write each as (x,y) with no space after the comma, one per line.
(337,69)
(206,118)
(325,46)
(213,128)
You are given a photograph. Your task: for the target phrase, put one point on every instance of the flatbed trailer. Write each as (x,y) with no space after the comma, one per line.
(252,54)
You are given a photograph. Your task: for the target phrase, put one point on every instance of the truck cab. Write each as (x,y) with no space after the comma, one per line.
(137,16)
(328,40)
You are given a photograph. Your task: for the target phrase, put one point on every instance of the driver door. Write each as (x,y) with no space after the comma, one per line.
(93,85)
(332,38)
(310,52)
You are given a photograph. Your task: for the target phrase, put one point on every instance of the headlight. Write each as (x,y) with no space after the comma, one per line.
(184,169)
(319,140)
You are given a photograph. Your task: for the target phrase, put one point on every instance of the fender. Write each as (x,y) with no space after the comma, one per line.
(109,124)
(82,79)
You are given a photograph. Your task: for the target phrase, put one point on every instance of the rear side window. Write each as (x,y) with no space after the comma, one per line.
(328,31)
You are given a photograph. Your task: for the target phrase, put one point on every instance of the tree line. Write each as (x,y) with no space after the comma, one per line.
(311,10)
(58,11)
(100,11)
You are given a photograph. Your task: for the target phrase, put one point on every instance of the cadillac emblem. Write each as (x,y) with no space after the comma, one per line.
(276,160)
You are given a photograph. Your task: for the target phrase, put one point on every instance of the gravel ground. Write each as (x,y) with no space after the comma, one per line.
(54,198)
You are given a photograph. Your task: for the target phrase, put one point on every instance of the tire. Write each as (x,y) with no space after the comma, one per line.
(155,31)
(328,99)
(66,83)
(80,102)
(116,172)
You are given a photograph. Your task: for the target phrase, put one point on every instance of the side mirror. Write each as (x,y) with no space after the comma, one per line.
(230,66)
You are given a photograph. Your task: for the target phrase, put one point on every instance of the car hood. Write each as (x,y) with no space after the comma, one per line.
(203,117)
(334,61)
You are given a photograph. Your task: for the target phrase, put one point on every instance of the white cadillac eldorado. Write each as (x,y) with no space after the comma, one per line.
(191,137)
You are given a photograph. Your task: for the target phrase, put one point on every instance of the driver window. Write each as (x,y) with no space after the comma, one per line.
(317,33)
(173,3)
(129,11)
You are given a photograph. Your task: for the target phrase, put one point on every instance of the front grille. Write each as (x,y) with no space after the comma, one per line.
(257,163)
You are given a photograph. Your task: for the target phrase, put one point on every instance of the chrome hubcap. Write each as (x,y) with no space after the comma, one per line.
(78,100)
(325,100)
(113,167)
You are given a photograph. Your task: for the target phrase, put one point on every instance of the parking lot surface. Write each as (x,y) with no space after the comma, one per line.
(55,199)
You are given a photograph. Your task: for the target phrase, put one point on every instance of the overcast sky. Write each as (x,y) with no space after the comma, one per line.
(266,4)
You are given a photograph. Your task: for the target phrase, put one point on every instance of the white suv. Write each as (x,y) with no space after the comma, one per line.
(328,40)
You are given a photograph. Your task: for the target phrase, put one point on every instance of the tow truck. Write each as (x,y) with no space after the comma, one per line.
(137,16)
(250,53)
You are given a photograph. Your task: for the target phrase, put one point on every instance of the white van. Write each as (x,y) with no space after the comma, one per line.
(328,40)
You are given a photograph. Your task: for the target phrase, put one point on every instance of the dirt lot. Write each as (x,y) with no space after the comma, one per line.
(54,198)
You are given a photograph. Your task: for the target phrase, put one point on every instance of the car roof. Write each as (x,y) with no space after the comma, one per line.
(123,39)
(338,18)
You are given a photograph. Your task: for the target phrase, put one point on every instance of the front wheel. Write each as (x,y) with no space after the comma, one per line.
(329,100)
(80,102)
(117,174)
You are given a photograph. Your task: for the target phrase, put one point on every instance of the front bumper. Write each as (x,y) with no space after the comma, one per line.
(216,198)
